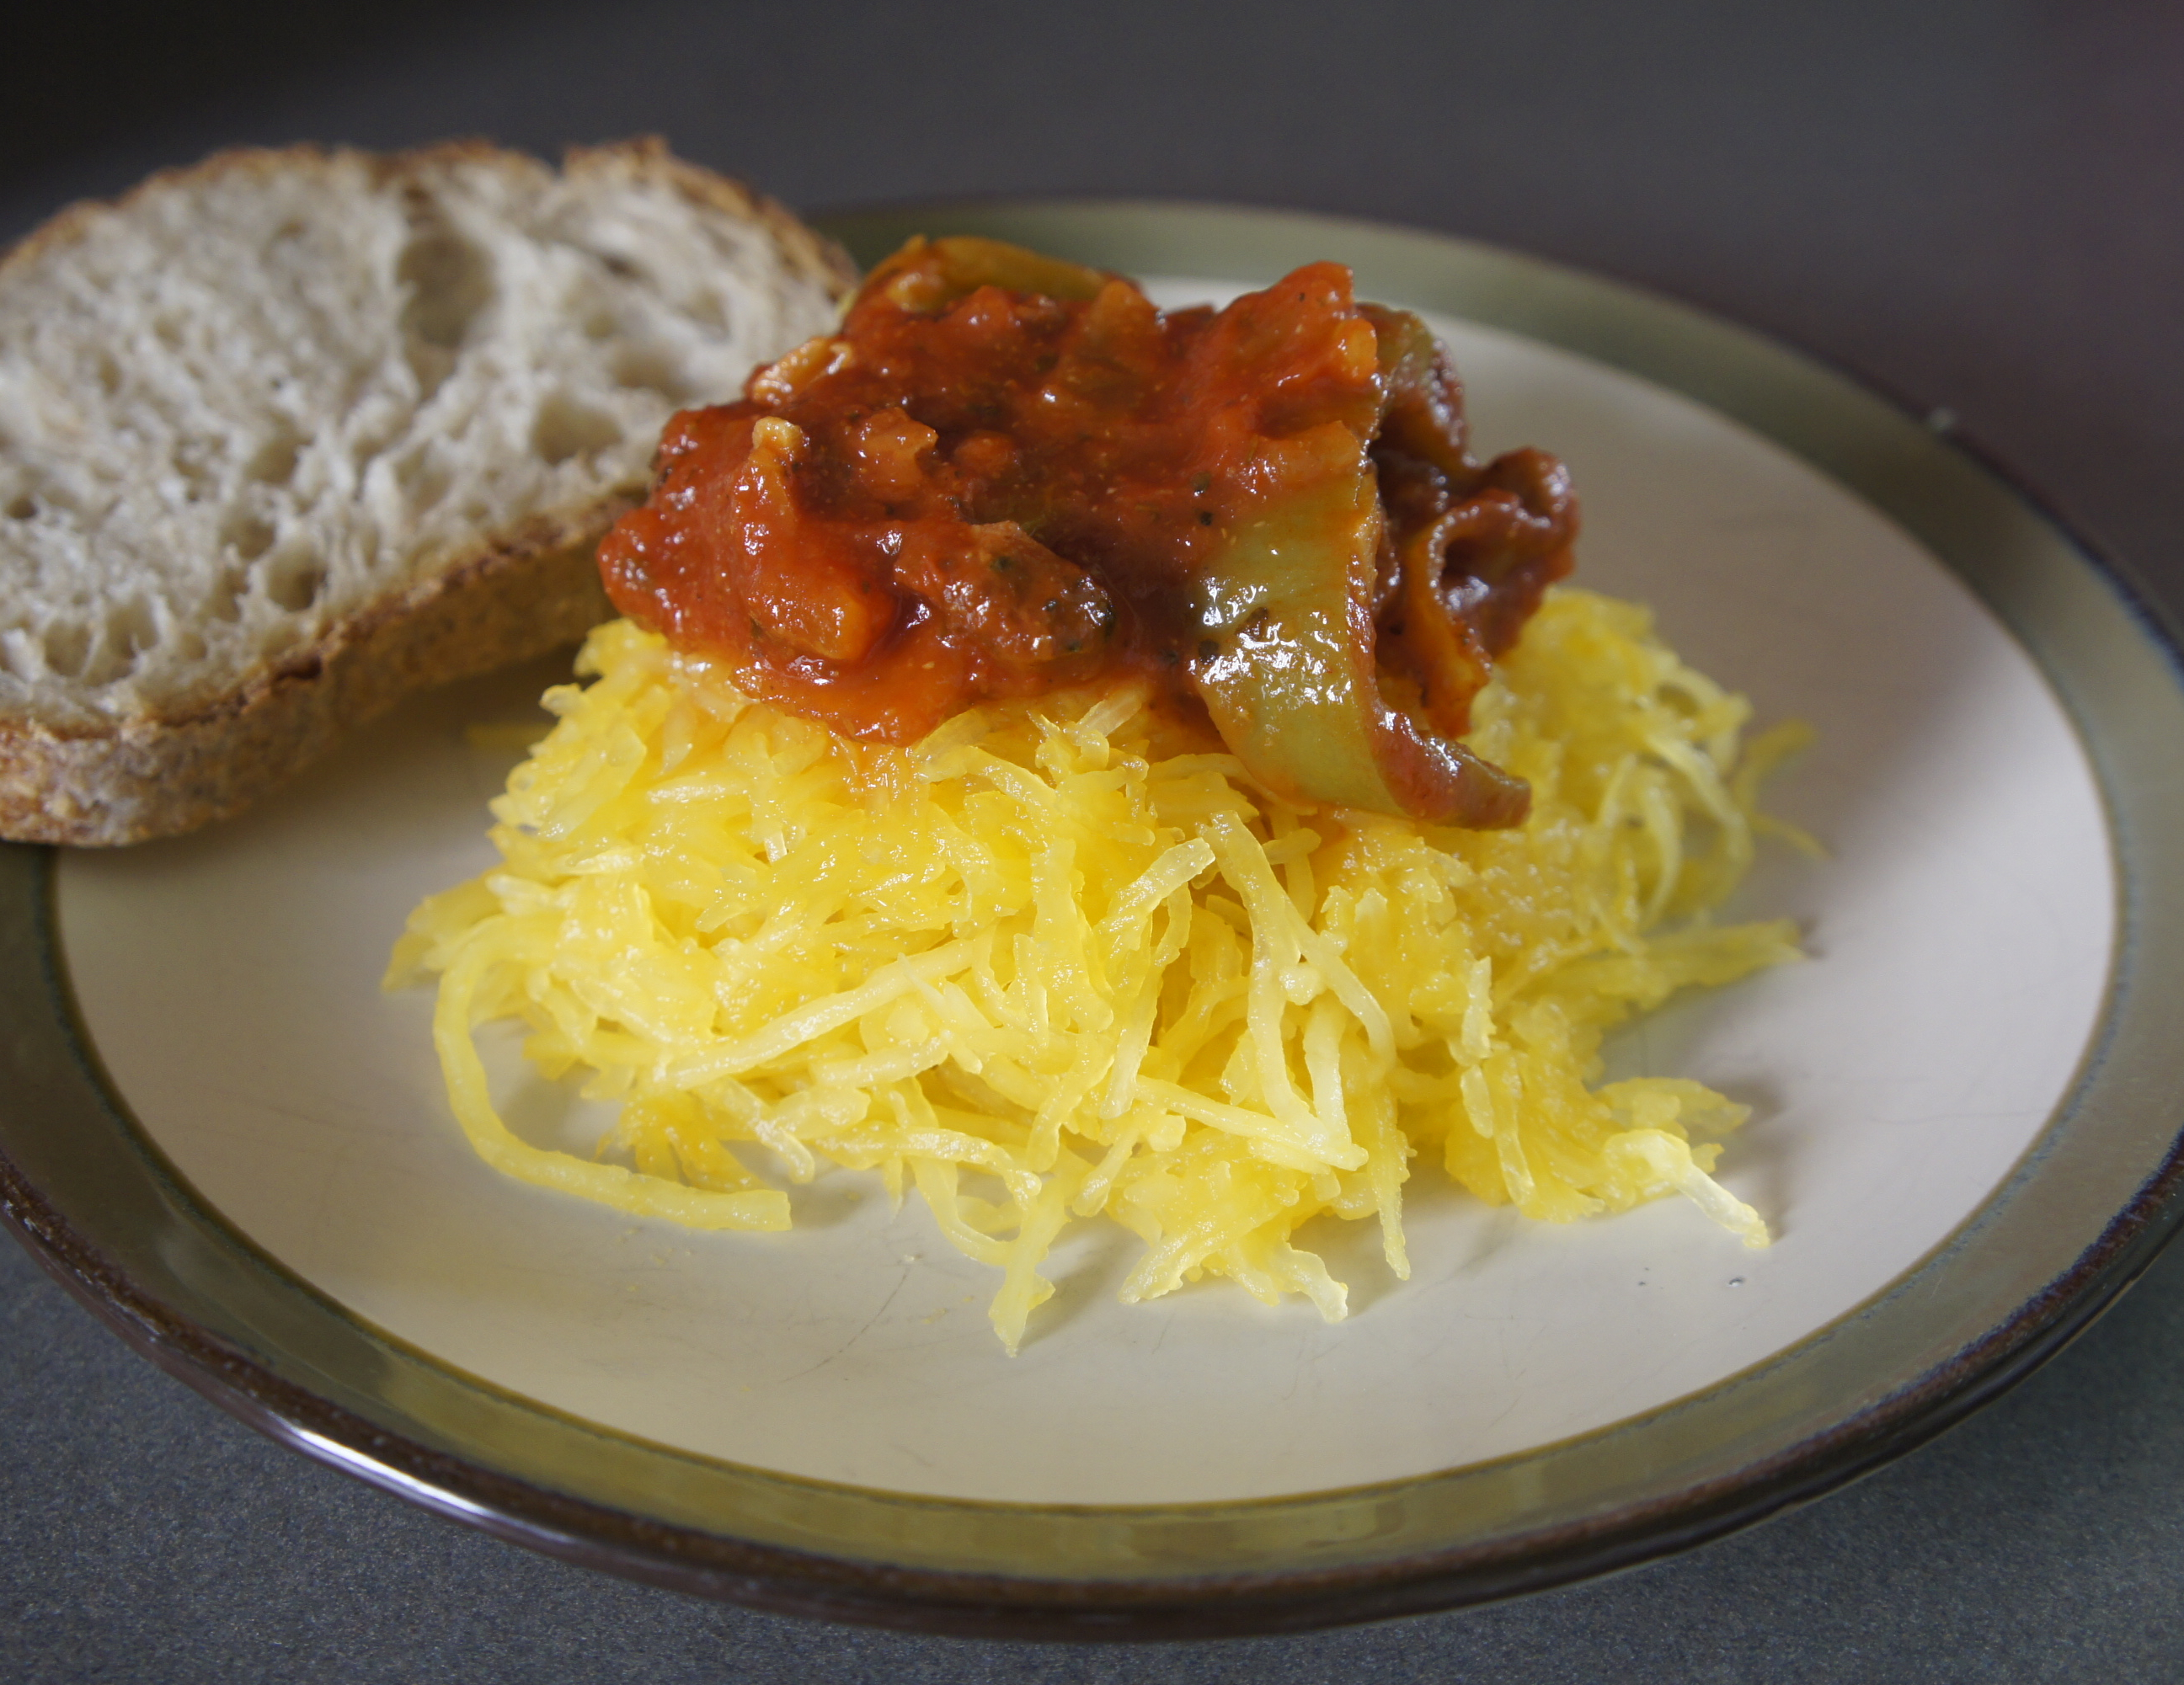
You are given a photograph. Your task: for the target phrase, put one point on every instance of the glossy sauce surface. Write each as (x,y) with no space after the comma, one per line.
(1006,473)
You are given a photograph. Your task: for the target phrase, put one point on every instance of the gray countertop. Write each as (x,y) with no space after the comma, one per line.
(1979,206)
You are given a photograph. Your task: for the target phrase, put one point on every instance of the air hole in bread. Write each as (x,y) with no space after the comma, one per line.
(66,643)
(293,579)
(431,365)
(273,462)
(196,474)
(108,661)
(109,373)
(246,535)
(600,324)
(224,602)
(450,282)
(424,479)
(132,628)
(22,506)
(566,428)
(648,369)
(365,445)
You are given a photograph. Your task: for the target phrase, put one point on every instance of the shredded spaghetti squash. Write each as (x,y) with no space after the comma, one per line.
(1063,959)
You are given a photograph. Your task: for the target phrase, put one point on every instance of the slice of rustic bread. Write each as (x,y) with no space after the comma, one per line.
(288,435)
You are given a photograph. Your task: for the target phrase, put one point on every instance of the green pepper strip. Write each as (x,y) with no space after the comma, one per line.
(1287,668)
(1289,677)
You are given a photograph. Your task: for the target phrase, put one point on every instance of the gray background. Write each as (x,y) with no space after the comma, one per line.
(1977,205)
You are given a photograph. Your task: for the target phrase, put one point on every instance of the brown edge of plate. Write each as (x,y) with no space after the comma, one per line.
(1008,1607)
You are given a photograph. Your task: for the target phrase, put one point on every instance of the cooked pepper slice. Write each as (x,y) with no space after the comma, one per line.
(1476,547)
(1291,668)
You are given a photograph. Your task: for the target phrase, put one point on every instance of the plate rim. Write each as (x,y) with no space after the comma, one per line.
(995,1606)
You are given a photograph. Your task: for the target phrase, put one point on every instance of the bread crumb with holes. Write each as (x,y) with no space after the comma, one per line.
(290,435)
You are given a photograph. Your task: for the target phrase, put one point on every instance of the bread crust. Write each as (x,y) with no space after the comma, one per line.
(515,594)
(819,258)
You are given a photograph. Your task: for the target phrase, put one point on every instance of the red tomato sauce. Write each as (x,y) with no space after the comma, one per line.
(1006,474)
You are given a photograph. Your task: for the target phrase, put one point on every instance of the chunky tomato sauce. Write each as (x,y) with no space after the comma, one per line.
(1008,474)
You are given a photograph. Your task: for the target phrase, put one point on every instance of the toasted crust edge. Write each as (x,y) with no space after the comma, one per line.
(818,257)
(518,593)
(531,591)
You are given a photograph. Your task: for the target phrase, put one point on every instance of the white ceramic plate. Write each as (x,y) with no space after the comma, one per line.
(1922,1066)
